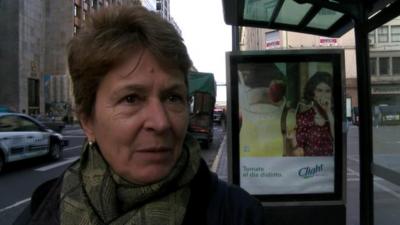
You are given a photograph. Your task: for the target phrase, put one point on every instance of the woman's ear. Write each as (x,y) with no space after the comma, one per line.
(87,126)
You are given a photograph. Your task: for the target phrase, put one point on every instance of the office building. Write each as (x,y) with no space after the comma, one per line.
(33,41)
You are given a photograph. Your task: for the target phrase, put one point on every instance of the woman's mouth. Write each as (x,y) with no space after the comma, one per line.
(154,154)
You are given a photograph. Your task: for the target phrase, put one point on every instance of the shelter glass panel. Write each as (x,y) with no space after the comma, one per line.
(292,12)
(260,10)
(325,19)
(385,103)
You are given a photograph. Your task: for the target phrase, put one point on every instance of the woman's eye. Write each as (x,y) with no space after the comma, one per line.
(174,98)
(130,99)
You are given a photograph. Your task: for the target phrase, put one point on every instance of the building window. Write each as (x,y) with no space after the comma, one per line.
(383,34)
(33,92)
(77,10)
(371,37)
(384,66)
(396,65)
(76,29)
(395,33)
(372,66)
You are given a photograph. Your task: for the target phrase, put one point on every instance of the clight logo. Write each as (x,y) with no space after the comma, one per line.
(308,172)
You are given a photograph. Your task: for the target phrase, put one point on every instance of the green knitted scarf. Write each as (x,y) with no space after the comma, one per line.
(93,194)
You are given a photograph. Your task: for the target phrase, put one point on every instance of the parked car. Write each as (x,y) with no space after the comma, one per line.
(4,108)
(386,115)
(23,137)
(55,124)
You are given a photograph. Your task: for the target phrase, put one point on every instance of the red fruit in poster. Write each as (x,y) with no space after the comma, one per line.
(276,91)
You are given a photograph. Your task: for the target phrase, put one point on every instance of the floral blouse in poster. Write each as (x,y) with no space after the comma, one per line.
(313,134)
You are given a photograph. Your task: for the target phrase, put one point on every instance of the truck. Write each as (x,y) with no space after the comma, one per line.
(202,93)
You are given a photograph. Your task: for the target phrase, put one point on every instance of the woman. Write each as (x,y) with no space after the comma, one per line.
(129,70)
(315,124)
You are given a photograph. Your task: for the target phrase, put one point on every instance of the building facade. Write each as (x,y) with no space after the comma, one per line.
(33,44)
(22,25)
(163,9)
(385,63)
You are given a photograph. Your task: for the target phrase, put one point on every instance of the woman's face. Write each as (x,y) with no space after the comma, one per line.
(323,95)
(140,119)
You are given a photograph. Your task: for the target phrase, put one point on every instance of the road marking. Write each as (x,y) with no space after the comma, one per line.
(72,148)
(390,191)
(15,205)
(52,166)
(216,160)
(353,172)
(381,186)
(353,158)
(358,179)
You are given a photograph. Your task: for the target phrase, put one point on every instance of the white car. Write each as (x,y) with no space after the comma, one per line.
(23,137)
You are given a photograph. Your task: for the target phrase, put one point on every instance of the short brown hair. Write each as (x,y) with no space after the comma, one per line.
(111,36)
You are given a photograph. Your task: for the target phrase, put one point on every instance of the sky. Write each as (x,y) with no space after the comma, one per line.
(206,36)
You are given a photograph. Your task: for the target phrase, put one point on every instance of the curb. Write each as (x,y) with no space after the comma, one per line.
(215,164)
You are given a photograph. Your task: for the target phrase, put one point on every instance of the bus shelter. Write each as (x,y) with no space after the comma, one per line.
(331,18)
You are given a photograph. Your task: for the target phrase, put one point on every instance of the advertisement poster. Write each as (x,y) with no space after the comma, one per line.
(286,127)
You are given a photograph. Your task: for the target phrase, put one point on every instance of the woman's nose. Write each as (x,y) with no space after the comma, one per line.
(157,117)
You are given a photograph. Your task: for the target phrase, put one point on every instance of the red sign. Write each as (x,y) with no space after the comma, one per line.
(272,44)
(327,41)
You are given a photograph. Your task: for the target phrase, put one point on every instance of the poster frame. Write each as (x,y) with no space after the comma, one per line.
(336,57)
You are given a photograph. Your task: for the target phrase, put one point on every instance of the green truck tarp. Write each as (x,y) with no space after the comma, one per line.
(202,82)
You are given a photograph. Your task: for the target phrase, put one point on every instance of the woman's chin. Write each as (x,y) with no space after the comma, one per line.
(146,175)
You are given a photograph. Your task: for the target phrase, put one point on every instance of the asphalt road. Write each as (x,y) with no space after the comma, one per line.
(386,143)
(19,180)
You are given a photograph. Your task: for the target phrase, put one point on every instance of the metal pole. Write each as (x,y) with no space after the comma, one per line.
(235,39)
(365,119)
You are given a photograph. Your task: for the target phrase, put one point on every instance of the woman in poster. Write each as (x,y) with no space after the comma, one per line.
(314,120)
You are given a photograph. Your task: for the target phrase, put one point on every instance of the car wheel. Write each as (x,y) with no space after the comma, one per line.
(56,151)
(1,162)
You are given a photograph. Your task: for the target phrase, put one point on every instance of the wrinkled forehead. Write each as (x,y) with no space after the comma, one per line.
(151,62)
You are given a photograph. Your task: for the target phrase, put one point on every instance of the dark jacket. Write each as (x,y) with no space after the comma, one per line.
(212,202)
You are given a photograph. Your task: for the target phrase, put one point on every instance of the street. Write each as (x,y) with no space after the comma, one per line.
(386,194)
(19,180)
